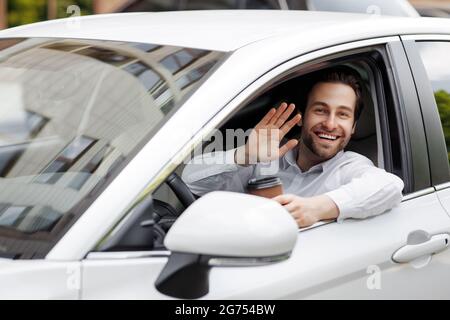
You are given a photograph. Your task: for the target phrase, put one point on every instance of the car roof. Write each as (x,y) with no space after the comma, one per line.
(222,30)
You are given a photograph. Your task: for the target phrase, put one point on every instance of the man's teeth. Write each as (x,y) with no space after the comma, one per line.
(327,136)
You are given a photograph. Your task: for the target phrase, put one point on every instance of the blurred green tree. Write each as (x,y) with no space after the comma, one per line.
(443,103)
(28,11)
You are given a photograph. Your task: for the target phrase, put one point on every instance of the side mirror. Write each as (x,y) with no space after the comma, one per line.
(224,229)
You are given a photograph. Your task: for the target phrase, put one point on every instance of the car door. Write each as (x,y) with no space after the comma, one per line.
(353,259)
(360,259)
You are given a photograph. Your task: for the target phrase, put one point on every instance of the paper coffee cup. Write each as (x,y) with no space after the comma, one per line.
(268,187)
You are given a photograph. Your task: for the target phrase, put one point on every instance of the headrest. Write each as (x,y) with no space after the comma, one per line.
(365,127)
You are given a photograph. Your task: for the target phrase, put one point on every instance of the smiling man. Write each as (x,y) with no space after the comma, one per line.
(321,181)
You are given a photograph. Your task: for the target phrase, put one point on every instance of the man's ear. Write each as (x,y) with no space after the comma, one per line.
(300,123)
(354,127)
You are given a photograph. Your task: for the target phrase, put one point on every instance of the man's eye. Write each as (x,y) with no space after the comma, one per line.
(320,110)
(344,115)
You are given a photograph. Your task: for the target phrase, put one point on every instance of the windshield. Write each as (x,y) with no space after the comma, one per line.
(73,113)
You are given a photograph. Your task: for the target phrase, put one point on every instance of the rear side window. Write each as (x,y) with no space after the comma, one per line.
(435,57)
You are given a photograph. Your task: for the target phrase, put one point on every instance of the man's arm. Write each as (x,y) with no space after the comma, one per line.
(370,192)
(232,169)
(367,191)
(308,211)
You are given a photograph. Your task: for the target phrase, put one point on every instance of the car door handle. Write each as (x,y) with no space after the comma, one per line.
(412,252)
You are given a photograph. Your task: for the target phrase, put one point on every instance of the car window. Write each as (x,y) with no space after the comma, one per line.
(74,112)
(437,65)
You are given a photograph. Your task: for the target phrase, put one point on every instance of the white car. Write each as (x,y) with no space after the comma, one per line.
(99,114)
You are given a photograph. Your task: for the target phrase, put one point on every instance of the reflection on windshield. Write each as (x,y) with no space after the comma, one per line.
(73,113)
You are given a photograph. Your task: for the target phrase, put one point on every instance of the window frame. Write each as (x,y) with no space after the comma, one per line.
(410,119)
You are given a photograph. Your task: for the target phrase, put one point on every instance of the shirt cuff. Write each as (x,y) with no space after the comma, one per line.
(343,201)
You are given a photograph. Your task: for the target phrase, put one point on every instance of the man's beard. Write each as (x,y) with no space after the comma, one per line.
(321,152)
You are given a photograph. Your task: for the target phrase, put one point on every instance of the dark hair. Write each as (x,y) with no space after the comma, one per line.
(341,74)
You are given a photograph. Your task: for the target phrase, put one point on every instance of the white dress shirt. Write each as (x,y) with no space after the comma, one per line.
(357,187)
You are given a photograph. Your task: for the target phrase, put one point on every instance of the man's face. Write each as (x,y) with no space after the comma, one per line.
(329,118)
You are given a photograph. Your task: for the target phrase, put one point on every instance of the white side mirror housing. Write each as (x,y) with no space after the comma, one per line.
(228,224)
(223,229)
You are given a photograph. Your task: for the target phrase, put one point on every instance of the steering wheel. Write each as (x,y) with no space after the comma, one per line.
(165,213)
(181,190)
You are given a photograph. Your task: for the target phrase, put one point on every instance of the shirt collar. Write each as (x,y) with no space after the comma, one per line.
(326,164)
(291,159)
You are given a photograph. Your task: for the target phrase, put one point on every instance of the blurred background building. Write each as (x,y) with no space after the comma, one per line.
(18,12)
